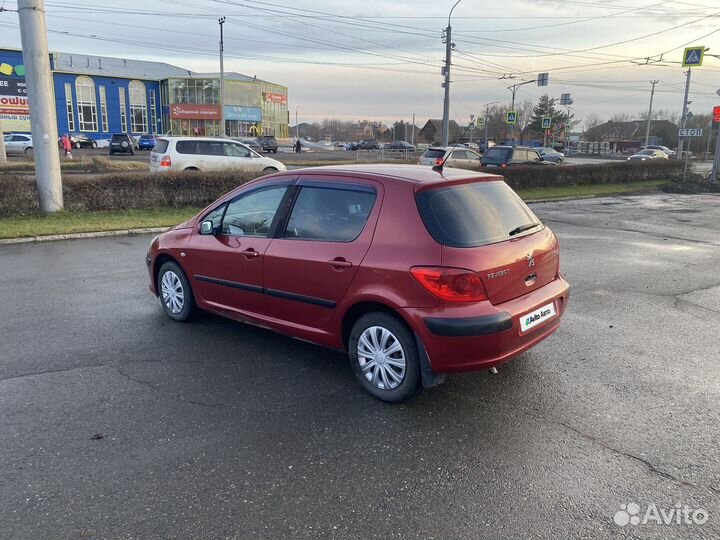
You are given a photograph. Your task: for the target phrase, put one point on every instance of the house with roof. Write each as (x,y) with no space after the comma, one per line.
(661,132)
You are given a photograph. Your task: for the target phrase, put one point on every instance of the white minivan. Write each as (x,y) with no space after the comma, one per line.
(208,154)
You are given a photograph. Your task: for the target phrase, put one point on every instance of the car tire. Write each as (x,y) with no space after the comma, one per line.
(270,170)
(559,162)
(29,150)
(275,151)
(94,144)
(77,145)
(176,296)
(376,333)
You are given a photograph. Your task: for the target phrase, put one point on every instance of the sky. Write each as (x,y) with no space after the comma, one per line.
(381,60)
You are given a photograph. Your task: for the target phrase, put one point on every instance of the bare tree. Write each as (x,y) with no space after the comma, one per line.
(592,121)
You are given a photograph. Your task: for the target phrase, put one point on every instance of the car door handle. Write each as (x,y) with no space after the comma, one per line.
(250,253)
(339,262)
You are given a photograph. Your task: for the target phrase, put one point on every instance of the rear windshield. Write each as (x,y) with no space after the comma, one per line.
(161,146)
(475,214)
(497,154)
(434,153)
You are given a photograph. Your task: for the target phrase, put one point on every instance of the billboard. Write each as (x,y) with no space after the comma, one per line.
(14,106)
(272,97)
(191,111)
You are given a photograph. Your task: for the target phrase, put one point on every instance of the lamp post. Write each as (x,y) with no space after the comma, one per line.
(297,126)
(221,21)
(487,112)
(446,84)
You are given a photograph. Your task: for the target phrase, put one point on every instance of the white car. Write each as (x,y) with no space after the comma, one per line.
(458,157)
(17,143)
(208,154)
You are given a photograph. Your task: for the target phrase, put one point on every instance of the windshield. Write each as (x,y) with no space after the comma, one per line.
(497,154)
(434,153)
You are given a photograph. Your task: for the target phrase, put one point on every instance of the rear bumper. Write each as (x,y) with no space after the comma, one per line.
(480,336)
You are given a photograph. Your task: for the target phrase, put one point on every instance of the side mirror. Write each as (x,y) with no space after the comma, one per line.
(206,227)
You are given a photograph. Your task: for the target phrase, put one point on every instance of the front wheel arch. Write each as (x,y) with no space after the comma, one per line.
(270,170)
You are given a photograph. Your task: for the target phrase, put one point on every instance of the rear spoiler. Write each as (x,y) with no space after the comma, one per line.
(442,182)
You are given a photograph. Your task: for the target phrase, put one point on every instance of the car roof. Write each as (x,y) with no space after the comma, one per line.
(413,174)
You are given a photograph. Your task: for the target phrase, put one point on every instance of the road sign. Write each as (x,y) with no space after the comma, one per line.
(543,79)
(480,121)
(690,133)
(693,56)
(511,117)
(546,122)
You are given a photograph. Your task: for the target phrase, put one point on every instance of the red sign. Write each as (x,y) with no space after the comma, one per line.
(716,114)
(271,97)
(190,111)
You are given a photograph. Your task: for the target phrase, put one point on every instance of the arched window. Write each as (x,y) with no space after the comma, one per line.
(138,107)
(86,104)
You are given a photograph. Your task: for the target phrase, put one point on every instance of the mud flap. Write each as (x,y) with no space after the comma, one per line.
(429,377)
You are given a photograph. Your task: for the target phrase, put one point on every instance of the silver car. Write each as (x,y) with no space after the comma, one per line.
(550,154)
(459,157)
(16,143)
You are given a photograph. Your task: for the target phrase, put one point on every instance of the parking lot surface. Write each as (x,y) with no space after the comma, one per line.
(118,423)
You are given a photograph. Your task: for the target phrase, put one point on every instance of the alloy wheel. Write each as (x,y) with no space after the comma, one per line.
(173,293)
(381,358)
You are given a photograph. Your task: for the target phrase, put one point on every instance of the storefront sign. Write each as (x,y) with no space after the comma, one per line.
(191,111)
(14,107)
(245,114)
(271,97)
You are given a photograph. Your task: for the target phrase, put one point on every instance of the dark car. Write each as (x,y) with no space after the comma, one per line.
(398,146)
(368,144)
(506,156)
(146,142)
(269,144)
(121,143)
(252,143)
(415,272)
(78,140)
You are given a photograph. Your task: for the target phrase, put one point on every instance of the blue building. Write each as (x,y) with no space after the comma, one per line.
(98,96)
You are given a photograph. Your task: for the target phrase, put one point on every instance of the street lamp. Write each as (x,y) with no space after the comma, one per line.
(446,84)
(297,126)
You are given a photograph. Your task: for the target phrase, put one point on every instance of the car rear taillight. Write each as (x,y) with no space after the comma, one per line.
(451,284)
(439,161)
(165,161)
(503,164)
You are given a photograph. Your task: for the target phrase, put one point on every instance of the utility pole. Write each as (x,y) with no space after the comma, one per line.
(43,119)
(514,89)
(221,21)
(297,126)
(446,84)
(412,140)
(684,119)
(649,118)
(487,122)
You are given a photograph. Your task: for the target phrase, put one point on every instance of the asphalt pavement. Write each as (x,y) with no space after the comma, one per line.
(116,423)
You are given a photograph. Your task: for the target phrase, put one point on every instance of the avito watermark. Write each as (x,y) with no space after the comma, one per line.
(680,514)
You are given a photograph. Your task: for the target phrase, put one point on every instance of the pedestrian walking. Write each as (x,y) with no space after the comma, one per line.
(67,146)
(298,147)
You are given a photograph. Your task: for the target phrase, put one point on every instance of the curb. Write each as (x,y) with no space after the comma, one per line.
(78,236)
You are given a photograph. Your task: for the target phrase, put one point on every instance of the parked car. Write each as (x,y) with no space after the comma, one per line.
(398,146)
(352,146)
(507,156)
(479,283)
(252,144)
(670,153)
(550,154)
(457,157)
(146,142)
(79,140)
(368,144)
(17,143)
(122,143)
(644,155)
(269,143)
(208,154)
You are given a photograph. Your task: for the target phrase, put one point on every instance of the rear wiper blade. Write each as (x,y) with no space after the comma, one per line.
(522,228)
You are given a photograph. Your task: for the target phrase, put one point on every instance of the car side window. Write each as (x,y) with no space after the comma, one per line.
(534,156)
(186,147)
(329,215)
(236,150)
(211,148)
(252,214)
(19,138)
(216,217)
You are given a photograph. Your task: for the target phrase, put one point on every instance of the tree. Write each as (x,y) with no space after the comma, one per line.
(592,121)
(545,107)
(621,117)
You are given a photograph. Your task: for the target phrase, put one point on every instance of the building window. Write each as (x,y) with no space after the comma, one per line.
(87,107)
(123,114)
(138,107)
(69,107)
(153,113)
(104,110)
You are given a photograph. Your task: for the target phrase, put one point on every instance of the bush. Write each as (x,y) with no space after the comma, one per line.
(535,176)
(18,195)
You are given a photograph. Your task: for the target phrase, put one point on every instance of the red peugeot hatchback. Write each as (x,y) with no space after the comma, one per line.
(414,272)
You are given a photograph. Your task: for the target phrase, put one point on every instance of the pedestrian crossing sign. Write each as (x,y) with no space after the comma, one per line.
(546,122)
(480,121)
(693,56)
(511,117)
